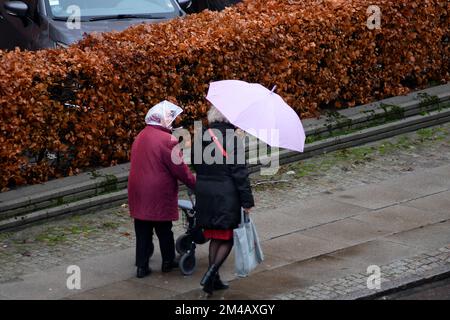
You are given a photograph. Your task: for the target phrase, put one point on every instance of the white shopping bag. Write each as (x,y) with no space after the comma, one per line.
(247,249)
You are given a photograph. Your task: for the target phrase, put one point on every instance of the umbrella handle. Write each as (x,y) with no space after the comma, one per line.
(273,89)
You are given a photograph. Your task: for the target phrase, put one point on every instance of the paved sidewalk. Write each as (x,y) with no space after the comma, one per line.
(394,274)
(320,232)
(306,246)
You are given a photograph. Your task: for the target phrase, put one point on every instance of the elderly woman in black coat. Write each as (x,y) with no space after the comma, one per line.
(222,189)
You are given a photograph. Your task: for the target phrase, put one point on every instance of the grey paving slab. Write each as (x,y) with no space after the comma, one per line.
(40,285)
(435,203)
(375,196)
(320,210)
(377,252)
(442,170)
(399,218)
(423,183)
(112,267)
(124,290)
(173,281)
(304,215)
(349,231)
(323,268)
(274,223)
(428,237)
(298,246)
(269,283)
(51,284)
(272,262)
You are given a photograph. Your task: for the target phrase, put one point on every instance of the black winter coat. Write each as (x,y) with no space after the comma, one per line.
(221,189)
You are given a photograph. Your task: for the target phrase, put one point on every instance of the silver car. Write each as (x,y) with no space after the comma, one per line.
(37,24)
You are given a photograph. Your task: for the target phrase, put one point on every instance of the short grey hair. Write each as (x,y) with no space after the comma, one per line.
(214,115)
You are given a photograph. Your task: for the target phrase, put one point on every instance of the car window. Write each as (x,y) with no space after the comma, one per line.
(95,8)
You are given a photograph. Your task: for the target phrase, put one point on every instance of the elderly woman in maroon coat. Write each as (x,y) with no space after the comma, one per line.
(156,167)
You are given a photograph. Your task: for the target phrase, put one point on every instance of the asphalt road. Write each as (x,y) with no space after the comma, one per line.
(439,290)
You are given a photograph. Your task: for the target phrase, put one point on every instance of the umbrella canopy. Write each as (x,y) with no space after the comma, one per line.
(258,111)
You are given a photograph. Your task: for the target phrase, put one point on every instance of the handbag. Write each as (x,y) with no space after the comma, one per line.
(247,248)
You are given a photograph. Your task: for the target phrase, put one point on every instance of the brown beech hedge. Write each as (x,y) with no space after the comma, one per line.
(63,111)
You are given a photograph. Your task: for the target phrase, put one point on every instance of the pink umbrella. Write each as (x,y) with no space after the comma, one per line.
(258,111)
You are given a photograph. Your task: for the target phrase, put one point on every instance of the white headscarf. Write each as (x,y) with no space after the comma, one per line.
(163,114)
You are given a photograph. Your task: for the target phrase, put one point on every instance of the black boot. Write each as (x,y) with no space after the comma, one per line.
(208,279)
(168,266)
(143,272)
(219,284)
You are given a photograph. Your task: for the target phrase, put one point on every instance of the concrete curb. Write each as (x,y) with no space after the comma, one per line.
(86,206)
(394,286)
(412,104)
(62,191)
(88,192)
(364,136)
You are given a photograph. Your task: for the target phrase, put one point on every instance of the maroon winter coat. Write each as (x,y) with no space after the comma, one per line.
(152,183)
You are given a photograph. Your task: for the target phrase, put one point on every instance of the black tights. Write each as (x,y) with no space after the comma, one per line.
(219,251)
